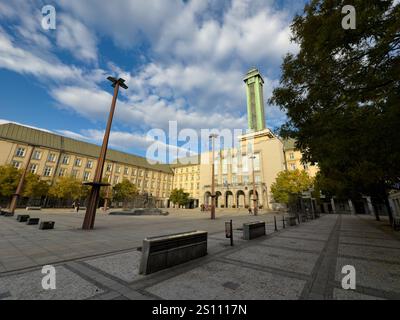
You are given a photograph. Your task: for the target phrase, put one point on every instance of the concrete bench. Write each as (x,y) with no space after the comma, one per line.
(253,230)
(46,225)
(32,221)
(33,208)
(162,252)
(22,218)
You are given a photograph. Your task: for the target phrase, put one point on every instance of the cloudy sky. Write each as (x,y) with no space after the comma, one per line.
(182,60)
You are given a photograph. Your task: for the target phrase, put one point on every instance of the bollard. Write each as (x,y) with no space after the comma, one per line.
(276,228)
(283,220)
(229,231)
(298,218)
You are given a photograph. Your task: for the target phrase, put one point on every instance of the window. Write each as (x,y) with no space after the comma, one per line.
(47,171)
(89,164)
(126,171)
(291,156)
(78,162)
(305,167)
(20,152)
(118,169)
(134,171)
(116,180)
(37,155)
(257,162)
(86,176)
(293,166)
(65,160)
(74,173)
(234,179)
(257,178)
(51,157)
(62,172)
(16,164)
(245,179)
(198,185)
(33,168)
(109,167)
(224,166)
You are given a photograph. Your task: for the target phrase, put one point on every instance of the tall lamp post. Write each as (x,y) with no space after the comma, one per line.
(88,222)
(213,137)
(255,206)
(17,193)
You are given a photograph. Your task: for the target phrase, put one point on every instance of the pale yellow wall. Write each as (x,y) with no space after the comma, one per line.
(293,160)
(159,184)
(188,179)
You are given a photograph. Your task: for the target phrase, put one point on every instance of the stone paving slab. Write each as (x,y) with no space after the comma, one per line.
(374,275)
(308,245)
(368,252)
(28,286)
(124,266)
(341,294)
(219,280)
(287,260)
(305,235)
(369,241)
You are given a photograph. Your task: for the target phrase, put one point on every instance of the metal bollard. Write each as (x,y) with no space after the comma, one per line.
(283,221)
(276,228)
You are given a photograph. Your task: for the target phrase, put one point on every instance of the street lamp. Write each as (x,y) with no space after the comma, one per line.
(88,222)
(213,137)
(252,157)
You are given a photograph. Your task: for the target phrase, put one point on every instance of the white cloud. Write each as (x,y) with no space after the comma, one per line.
(19,60)
(76,38)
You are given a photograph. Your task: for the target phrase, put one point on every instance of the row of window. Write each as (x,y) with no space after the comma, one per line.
(65,160)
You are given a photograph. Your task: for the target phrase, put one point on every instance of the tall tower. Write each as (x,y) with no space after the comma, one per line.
(255,100)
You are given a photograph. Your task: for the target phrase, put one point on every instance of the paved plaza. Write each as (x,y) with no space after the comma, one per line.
(301,262)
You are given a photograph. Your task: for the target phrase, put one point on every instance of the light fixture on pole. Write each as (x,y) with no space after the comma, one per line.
(88,222)
(255,206)
(213,137)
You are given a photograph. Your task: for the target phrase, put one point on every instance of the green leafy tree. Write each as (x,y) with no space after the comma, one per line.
(9,179)
(341,94)
(179,197)
(34,187)
(290,182)
(124,192)
(69,188)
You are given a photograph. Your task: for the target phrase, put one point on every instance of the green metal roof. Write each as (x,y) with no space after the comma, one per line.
(289,144)
(27,135)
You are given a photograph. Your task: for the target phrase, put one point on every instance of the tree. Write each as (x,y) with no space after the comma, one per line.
(290,182)
(341,93)
(9,179)
(68,188)
(179,197)
(34,187)
(124,192)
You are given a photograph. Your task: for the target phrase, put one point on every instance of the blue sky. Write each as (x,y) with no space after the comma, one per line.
(182,60)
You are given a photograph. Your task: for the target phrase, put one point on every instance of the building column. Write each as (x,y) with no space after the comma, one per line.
(333,205)
(351,206)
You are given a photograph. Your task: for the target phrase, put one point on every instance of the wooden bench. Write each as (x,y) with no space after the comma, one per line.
(165,251)
(253,230)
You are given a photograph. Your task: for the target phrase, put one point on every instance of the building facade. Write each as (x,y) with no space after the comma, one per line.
(53,156)
(259,154)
